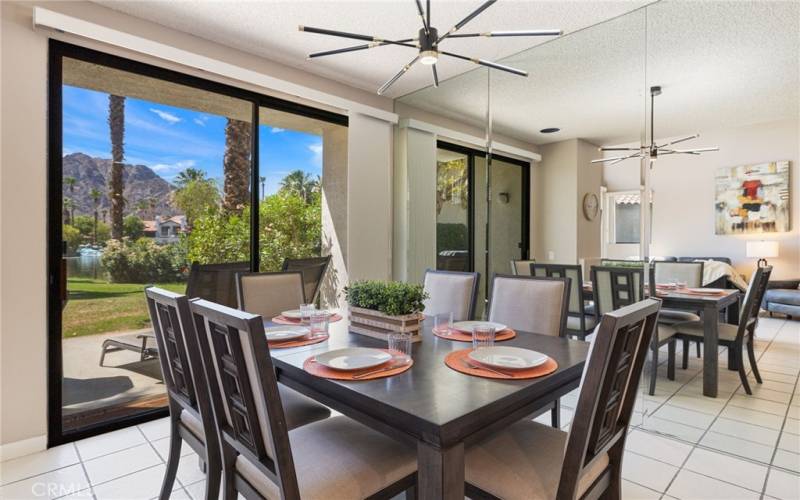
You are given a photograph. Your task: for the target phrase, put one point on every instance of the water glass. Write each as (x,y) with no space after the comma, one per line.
(400,343)
(482,336)
(443,322)
(305,312)
(319,323)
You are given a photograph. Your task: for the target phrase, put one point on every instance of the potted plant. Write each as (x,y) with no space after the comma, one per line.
(378,308)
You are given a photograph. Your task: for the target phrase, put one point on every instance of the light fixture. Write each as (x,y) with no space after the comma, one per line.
(762,250)
(550,130)
(653,150)
(427,42)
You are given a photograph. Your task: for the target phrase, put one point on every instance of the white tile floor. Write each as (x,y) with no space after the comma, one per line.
(681,444)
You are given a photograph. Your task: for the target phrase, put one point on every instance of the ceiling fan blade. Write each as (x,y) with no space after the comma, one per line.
(619,149)
(491,34)
(615,159)
(486,63)
(422,16)
(467,19)
(396,77)
(435,76)
(354,36)
(696,150)
(354,48)
(695,136)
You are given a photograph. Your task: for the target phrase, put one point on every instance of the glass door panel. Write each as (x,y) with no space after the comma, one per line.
(452,211)
(506,214)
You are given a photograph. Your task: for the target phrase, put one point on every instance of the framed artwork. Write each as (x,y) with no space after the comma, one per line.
(752,198)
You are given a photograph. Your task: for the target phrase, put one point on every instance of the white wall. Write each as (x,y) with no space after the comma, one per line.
(683,187)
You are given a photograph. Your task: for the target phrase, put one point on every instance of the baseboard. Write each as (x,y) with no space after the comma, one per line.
(21,448)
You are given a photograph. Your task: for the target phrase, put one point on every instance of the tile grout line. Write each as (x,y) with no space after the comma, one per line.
(780,436)
(85,472)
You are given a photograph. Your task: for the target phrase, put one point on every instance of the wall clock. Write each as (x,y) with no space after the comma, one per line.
(591,206)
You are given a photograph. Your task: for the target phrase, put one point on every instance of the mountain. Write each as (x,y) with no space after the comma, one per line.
(141,183)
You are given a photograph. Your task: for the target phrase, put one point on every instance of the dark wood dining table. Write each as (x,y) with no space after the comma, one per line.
(436,409)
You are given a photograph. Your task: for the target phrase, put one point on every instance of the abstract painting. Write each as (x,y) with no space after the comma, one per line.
(753,198)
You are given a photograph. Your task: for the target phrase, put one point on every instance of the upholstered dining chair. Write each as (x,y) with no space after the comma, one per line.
(451,292)
(579,322)
(529,460)
(735,337)
(215,282)
(616,287)
(269,294)
(521,267)
(262,458)
(690,273)
(191,416)
(313,270)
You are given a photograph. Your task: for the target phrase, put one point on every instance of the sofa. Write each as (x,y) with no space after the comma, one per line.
(783,297)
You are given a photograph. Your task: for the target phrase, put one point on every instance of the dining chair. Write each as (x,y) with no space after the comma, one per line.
(215,282)
(451,292)
(530,460)
(579,322)
(616,287)
(521,267)
(313,270)
(690,273)
(261,457)
(269,294)
(735,337)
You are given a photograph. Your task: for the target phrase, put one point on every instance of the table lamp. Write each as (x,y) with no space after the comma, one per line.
(762,250)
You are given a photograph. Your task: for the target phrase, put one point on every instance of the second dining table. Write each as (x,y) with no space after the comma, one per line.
(431,406)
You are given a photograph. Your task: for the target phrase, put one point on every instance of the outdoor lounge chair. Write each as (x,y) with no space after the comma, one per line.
(143,343)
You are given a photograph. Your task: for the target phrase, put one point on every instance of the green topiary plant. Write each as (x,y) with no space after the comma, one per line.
(392,297)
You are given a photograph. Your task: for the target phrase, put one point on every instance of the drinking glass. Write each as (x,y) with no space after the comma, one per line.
(319,323)
(482,336)
(443,322)
(400,343)
(305,312)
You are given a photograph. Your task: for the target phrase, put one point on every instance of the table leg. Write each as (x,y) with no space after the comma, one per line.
(710,350)
(440,472)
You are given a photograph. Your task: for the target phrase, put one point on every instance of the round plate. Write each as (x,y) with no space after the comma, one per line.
(706,291)
(294,314)
(280,333)
(468,326)
(514,358)
(353,358)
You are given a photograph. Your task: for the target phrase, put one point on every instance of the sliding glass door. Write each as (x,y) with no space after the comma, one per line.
(151,171)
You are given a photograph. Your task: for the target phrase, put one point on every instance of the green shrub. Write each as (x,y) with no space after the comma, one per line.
(451,236)
(143,261)
(393,298)
(132,227)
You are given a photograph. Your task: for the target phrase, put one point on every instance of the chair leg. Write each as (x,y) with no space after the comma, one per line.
(740,366)
(213,475)
(228,473)
(751,354)
(102,353)
(175,443)
(671,359)
(653,370)
(697,346)
(555,414)
(411,493)
(685,354)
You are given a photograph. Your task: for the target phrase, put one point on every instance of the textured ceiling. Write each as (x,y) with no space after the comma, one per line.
(269,29)
(720,64)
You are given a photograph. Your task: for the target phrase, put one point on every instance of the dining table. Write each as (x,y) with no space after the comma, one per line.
(432,407)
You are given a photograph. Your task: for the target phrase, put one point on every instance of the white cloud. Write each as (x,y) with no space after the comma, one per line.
(169,170)
(276,130)
(316,153)
(201,121)
(167,117)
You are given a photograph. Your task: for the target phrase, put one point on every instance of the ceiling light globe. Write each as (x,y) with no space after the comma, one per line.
(428,57)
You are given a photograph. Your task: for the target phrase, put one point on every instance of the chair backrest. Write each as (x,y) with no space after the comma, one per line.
(521,267)
(269,294)
(451,291)
(180,359)
(244,392)
(622,263)
(530,303)
(615,287)
(753,298)
(575,275)
(313,270)
(607,397)
(215,282)
(690,273)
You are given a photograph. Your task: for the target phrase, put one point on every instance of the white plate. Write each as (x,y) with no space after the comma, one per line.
(706,291)
(295,314)
(468,326)
(279,333)
(353,358)
(508,357)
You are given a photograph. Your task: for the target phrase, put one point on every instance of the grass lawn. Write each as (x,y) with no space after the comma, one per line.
(96,306)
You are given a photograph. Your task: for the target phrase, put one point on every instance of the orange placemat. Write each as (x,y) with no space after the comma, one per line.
(311,366)
(297,343)
(282,320)
(458,361)
(460,336)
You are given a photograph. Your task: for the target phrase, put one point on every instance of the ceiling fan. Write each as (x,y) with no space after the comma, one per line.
(427,42)
(654,150)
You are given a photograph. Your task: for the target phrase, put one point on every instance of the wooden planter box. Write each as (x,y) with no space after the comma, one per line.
(378,325)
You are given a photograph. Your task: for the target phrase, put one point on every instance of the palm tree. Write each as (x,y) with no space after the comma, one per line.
(152,202)
(69,203)
(69,208)
(116,125)
(236,164)
(141,207)
(95,194)
(301,184)
(190,174)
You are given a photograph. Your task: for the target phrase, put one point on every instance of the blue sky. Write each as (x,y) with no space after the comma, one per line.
(169,139)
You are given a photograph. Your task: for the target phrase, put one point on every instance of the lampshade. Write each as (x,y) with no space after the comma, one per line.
(762,249)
